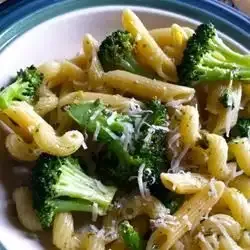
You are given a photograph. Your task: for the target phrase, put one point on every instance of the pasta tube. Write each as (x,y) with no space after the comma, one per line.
(187,183)
(242,183)
(25,212)
(164,36)
(43,134)
(217,160)
(189,215)
(116,102)
(147,48)
(92,241)
(47,101)
(20,149)
(240,148)
(146,88)
(239,206)
(63,232)
(189,125)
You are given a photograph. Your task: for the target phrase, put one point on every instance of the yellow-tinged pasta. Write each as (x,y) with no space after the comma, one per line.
(238,205)
(240,148)
(95,70)
(188,215)
(137,205)
(25,212)
(80,61)
(227,243)
(92,241)
(63,232)
(116,102)
(217,157)
(20,149)
(147,48)
(64,122)
(47,101)
(146,88)
(163,36)
(12,125)
(209,242)
(189,125)
(52,73)
(43,134)
(244,241)
(197,156)
(184,183)
(242,183)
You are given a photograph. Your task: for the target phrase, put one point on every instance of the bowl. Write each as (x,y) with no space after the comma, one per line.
(32,32)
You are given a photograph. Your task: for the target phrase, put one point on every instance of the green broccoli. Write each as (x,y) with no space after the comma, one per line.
(60,185)
(131,238)
(207,58)
(117,52)
(241,129)
(24,88)
(131,140)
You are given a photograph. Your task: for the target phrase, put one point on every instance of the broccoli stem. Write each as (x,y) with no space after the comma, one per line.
(74,183)
(131,238)
(14,91)
(72,205)
(131,65)
(218,45)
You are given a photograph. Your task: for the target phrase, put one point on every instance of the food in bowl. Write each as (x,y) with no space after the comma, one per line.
(146,133)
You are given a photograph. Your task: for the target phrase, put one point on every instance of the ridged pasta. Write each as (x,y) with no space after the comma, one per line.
(164,36)
(242,183)
(147,48)
(244,241)
(187,217)
(238,205)
(20,149)
(25,212)
(189,125)
(137,205)
(240,148)
(116,102)
(92,241)
(146,88)
(63,232)
(184,183)
(43,134)
(217,157)
(47,101)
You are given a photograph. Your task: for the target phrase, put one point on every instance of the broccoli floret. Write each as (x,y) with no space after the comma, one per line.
(127,148)
(60,185)
(227,99)
(116,52)
(207,58)
(131,238)
(241,129)
(24,88)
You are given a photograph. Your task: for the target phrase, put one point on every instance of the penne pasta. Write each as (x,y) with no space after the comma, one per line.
(146,88)
(147,48)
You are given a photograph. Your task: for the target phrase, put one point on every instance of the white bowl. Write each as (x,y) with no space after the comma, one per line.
(58,38)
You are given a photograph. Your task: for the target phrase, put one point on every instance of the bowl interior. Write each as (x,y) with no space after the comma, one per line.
(59,38)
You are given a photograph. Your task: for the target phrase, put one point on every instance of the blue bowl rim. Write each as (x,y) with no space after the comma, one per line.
(19,16)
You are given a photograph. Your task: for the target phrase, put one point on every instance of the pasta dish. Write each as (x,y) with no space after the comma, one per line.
(147,132)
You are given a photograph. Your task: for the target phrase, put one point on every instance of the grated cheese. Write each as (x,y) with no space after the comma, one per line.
(212,189)
(94,211)
(187,222)
(175,162)
(95,114)
(144,191)
(97,131)
(111,119)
